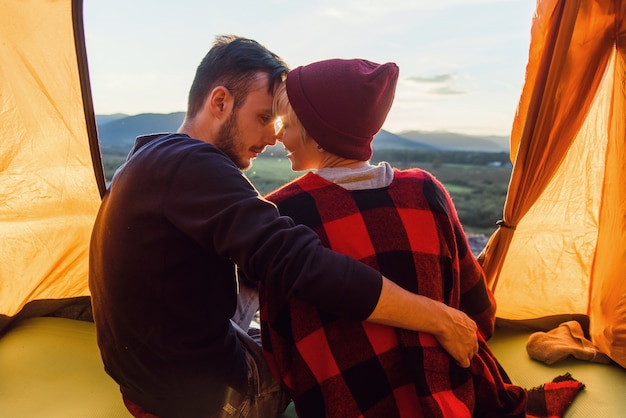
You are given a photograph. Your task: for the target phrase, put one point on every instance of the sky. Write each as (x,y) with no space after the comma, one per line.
(462,62)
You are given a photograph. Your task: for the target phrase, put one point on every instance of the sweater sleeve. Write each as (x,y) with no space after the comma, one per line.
(210,200)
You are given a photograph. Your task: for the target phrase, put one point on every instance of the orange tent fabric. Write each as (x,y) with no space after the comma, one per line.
(561,247)
(49,190)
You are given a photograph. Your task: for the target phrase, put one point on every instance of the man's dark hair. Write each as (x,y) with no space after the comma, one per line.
(232,62)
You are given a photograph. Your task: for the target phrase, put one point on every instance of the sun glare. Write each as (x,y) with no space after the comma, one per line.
(278,125)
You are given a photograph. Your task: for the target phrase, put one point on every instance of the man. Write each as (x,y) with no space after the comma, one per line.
(179,216)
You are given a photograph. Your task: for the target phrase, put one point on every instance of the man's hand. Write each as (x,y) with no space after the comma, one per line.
(454,330)
(458,336)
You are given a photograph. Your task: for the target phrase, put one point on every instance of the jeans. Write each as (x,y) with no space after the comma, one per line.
(265,397)
(247,306)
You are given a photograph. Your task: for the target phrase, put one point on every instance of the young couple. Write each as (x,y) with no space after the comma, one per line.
(371,302)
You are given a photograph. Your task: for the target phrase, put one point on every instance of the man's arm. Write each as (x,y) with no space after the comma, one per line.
(226,215)
(454,330)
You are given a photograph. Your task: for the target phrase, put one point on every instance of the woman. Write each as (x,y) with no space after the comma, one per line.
(402,223)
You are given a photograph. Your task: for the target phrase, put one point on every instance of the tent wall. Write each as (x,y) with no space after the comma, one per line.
(49,194)
(608,285)
(561,248)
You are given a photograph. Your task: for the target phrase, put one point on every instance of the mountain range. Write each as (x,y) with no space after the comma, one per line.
(117,133)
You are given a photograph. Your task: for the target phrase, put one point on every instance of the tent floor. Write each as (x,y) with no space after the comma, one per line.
(51,367)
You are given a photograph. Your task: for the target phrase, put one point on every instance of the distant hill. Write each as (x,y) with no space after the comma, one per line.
(117,132)
(103,119)
(386,140)
(459,142)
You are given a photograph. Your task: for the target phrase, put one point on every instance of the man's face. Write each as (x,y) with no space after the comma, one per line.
(250,127)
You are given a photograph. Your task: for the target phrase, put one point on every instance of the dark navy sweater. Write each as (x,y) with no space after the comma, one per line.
(177,219)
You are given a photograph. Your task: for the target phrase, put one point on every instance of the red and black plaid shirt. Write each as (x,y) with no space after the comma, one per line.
(339,368)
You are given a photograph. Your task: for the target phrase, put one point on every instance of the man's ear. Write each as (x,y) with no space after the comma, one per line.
(219,102)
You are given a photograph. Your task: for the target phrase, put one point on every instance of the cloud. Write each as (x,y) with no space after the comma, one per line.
(439,78)
(446,91)
(438,85)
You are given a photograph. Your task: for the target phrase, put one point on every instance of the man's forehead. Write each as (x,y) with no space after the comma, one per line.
(260,81)
(260,97)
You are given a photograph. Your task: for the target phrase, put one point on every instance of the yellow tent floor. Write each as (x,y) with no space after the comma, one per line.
(51,367)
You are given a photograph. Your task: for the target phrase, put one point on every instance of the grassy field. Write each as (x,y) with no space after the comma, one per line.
(269,173)
(478,190)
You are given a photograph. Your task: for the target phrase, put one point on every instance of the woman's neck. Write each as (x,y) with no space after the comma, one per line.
(333,161)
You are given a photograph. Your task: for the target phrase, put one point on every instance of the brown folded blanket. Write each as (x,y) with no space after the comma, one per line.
(552,399)
(565,340)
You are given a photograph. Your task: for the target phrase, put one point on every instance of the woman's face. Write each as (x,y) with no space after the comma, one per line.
(303,154)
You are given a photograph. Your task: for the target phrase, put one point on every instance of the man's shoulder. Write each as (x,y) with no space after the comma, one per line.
(173,142)
(169,148)
(163,157)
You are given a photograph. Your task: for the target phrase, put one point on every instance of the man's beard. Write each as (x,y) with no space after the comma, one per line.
(228,141)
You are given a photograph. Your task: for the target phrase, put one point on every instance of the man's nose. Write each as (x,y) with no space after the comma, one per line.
(269,141)
(277,136)
(271,138)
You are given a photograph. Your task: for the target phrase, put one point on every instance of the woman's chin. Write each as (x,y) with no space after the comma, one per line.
(294,163)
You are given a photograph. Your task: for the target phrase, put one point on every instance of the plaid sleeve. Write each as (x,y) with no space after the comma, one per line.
(476,299)
(553,398)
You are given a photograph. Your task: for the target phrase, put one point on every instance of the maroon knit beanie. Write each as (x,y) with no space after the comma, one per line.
(342,103)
